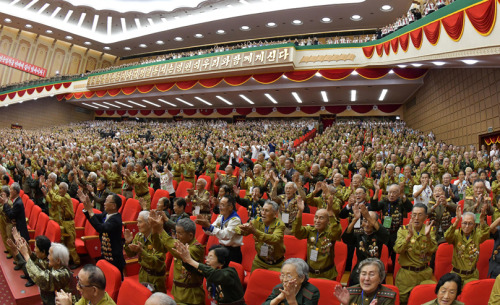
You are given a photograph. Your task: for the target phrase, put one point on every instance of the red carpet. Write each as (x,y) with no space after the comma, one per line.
(6,297)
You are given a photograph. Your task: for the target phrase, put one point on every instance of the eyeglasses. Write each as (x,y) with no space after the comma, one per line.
(468,223)
(80,285)
(286,277)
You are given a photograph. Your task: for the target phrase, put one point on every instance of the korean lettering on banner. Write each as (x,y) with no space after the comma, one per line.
(22,66)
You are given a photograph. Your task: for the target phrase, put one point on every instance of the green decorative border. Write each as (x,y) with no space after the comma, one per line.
(43,85)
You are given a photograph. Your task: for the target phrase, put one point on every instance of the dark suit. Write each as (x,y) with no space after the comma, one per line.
(289,173)
(16,212)
(110,234)
(454,188)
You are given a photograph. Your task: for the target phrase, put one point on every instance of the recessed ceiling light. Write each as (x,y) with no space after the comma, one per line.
(100,105)
(198,35)
(117,102)
(271,24)
(353,95)
(324,96)
(160,42)
(49,31)
(297,22)
(391,71)
(7,20)
(326,20)
(297,97)
(416,65)
(386,8)
(178,39)
(131,102)
(270,98)
(356,17)
(87,43)
(111,105)
(90,105)
(439,63)
(402,66)
(383,94)
(183,101)
(146,101)
(168,103)
(246,99)
(68,37)
(142,45)
(223,99)
(221,32)
(354,72)
(107,48)
(203,101)
(245,28)
(318,74)
(28,26)
(470,61)
(127,48)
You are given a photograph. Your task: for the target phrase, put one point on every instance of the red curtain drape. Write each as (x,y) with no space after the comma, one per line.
(267,78)
(244,111)
(362,108)
(129,90)
(454,25)
(264,110)
(88,94)
(67,96)
(186,85)
(373,73)
(99,112)
(310,109)
(164,86)
(12,95)
(145,88)
(66,85)
(206,111)
(3,97)
(60,97)
(101,93)
(224,111)
(159,112)
(482,16)
(335,109)
(380,49)
(189,112)
(210,83)
(335,74)
(394,45)
(145,112)
(58,86)
(39,89)
(48,87)
(432,31)
(133,112)
(21,93)
(368,51)
(388,108)
(30,91)
(114,92)
(410,73)
(300,76)
(237,80)
(110,112)
(286,110)
(78,95)
(174,111)
(387,47)
(121,112)
(404,41)
(416,38)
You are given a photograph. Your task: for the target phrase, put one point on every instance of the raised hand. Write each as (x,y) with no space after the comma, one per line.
(203,222)
(182,250)
(290,289)
(428,228)
(135,247)
(156,221)
(128,236)
(356,211)
(63,298)
(458,213)
(342,294)
(300,204)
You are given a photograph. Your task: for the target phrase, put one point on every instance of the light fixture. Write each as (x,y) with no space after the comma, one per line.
(160,42)
(110,104)
(382,94)
(398,118)
(402,66)
(49,31)
(353,95)
(470,61)
(202,100)
(87,43)
(386,8)
(7,20)
(245,28)
(90,105)
(391,71)
(168,103)
(356,17)
(297,22)
(109,25)
(28,26)
(271,24)
(416,65)
(131,102)
(68,37)
(107,48)
(198,35)
(354,72)
(318,74)
(270,98)
(151,103)
(117,102)
(297,97)
(127,48)
(142,45)
(183,101)
(439,63)
(284,76)
(223,99)
(178,39)
(323,95)
(221,32)
(326,20)
(100,105)
(246,99)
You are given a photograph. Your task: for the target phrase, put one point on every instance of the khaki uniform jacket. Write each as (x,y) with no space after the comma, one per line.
(384,296)
(418,251)
(140,182)
(466,250)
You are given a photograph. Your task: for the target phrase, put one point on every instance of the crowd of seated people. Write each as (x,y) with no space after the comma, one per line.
(391,194)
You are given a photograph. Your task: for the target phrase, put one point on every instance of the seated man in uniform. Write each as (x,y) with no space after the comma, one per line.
(415,244)
(475,203)
(200,199)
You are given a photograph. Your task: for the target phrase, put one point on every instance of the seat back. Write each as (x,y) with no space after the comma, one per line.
(24,198)
(113,278)
(151,192)
(307,219)
(200,235)
(131,210)
(76,203)
(477,292)
(396,290)
(256,292)
(485,250)
(182,188)
(444,254)
(295,247)
(326,289)
(340,258)
(53,231)
(157,196)
(208,179)
(28,207)
(212,240)
(35,213)
(248,251)
(243,213)
(242,193)
(239,269)
(421,294)
(79,216)
(41,224)
(132,293)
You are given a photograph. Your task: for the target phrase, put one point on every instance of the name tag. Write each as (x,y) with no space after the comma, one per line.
(314,255)
(196,210)
(285,217)
(387,222)
(264,250)
(478,217)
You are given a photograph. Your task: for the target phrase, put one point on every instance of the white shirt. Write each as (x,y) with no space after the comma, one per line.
(225,232)
(166,181)
(424,197)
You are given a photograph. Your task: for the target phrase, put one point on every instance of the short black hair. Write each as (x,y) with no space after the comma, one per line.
(420,205)
(96,276)
(43,244)
(425,173)
(450,277)
(180,202)
(222,254)
(117,200)
(231,200)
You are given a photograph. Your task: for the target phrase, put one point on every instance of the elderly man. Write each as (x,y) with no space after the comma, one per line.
(200,199)
(388,178)
(92,285)
(313,176)
(159,298)
(321,240)
(327,192)
(415,244)
(369,242)
(140,181)
(466,241)
(151,260)
(187,287)
(476,202)
(268,232)
(450,190)
(188,168)
(15,213)
(254,204)
(440,211)
(288,202)
(226,179)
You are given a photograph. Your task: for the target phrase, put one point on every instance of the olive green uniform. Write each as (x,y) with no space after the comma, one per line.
(187,288)
(54,209)
(321,202)
(435,302)
(169,225)
(152,262)
(5,226)
(176,171)
(106,300)
(223,285)
(495,292)
(230,181)
(466,251)
(140,182)
(201,203)
(470,201)
(320,247)
(114,181)
(383,295)
(307,295)
(68,225)
(49,280)
(441,216)
(414,258)
(288,209)
(188,170)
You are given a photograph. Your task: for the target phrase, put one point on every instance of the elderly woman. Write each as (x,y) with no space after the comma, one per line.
(223,283)
(294,287)
(447,290)
(371,275)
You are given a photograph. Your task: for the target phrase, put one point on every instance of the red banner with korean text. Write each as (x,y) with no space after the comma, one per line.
(22,66)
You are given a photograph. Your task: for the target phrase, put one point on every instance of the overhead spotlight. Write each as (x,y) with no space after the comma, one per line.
(127,48)
(28,26)
(178,38)
(146,101)
(353,95)
(183,101)
(223,99)
(439,63)
(107,48)
(324,96)
(354,72)
(168,103)
(297,22)
(221,32)
(470,61)
(142,45)
(402,66)
(87,43)
(49,31)
(326,20)
(356,17)
(7,20)
(383,94)
(198,35)
(297,97)
(245,28)
(68,37)
(271,24)
(416,65)
(203,101)
(386,8)
(246,99)
(271,98)
(160,42)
